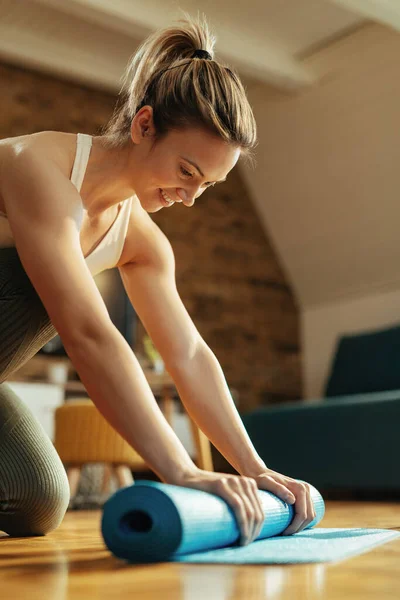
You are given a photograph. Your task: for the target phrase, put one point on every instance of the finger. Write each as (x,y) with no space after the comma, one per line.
(242,488)
(277,488)
(236,503)
(310,509)
(282,479)
(249,487)
(258,507)
(300,510)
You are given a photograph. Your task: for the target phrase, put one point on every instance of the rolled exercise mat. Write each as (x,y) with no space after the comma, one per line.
(152,522)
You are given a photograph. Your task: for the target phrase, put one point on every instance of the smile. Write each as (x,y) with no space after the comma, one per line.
(166,200)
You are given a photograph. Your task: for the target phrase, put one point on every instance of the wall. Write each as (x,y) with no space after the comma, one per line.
(228,276)
(328,189)
(322,327)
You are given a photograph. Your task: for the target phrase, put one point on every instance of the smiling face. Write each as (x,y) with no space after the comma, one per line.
(182,165)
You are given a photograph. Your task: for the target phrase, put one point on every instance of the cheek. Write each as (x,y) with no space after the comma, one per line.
(160,178)
(163,173)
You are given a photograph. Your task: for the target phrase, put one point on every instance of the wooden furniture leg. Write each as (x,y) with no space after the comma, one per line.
(201,441)
(73,474)
(106,478)
(167,404)
(123,475)
(203,447)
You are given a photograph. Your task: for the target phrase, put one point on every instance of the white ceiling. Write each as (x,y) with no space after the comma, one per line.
(91,40)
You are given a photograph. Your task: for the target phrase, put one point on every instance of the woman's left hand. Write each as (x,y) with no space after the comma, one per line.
(289,490)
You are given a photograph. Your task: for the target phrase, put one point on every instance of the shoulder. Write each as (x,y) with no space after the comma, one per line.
(53,146)
(145,242)
(46,156)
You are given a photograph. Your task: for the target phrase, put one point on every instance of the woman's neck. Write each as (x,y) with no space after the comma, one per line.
(108,179)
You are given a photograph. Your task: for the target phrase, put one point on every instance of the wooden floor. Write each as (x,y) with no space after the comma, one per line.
(73,563)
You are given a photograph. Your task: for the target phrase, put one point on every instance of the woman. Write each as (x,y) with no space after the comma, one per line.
(72,206)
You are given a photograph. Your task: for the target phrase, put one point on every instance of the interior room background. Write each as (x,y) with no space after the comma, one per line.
(280,261)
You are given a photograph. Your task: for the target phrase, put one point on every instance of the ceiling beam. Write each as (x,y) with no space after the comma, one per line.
(382,11)
(55,55)
(256,58)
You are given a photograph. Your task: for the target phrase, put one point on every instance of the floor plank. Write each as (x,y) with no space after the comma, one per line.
(72,563)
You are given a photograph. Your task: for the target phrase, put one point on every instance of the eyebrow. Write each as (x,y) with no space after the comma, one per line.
(200,171)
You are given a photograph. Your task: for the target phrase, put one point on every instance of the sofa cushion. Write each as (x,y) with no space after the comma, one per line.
(366,362)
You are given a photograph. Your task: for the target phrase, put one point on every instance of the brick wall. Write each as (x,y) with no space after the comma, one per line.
(227,273)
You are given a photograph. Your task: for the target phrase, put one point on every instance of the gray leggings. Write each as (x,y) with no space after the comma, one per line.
(34,488)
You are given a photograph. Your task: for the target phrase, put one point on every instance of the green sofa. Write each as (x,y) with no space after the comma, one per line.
(350,438)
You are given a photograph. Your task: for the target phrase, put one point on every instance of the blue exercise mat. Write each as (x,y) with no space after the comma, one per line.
(153,522)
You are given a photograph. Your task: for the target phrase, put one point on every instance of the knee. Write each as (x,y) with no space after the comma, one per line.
(35,493)
(48,506)
(41,509)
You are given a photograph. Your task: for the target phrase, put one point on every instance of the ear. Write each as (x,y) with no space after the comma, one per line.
(142,124)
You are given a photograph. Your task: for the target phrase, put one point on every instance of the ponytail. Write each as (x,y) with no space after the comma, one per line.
(183,90)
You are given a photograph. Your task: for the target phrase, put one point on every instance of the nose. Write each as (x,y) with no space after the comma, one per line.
(188,197)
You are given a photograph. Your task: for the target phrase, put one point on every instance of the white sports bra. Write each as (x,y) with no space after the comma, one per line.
(108,252)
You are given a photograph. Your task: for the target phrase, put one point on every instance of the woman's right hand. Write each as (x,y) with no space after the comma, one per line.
(241,493)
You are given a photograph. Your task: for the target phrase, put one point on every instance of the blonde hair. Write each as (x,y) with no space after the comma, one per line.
(183,91)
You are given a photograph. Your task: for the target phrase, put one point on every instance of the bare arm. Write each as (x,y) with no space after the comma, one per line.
(117,385)
(40,205)
(191,363)
(202,387)
(204,392)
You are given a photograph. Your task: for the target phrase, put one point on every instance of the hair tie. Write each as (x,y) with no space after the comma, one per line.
(201,54)
(196,54)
